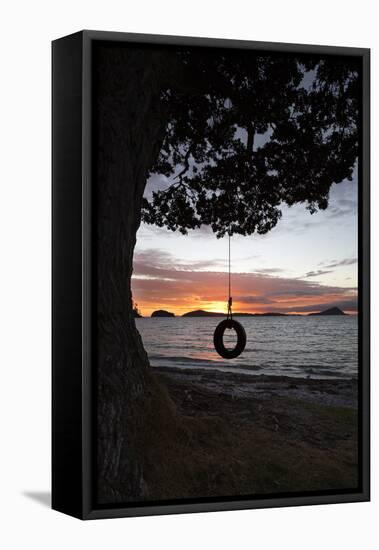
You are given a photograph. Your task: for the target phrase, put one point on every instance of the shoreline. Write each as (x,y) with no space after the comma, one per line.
(337,392)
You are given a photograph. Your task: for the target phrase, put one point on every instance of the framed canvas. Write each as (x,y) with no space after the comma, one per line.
(210,275)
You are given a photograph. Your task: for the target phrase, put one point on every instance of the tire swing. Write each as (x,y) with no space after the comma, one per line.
(229,323)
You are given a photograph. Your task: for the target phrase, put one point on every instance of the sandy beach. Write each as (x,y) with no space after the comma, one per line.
(236,385)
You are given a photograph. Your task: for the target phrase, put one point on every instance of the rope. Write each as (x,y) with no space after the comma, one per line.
(229,266)
(230,299)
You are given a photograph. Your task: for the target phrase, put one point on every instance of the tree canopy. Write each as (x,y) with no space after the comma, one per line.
(247,132)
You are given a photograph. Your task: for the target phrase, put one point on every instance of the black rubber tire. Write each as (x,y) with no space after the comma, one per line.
(218,339)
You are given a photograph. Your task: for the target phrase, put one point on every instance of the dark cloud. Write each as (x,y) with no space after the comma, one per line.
(269,270)
(317,273)
(339,263)
(256,300)
(287,287)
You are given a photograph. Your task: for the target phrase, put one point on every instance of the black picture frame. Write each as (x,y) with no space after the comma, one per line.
(72,294)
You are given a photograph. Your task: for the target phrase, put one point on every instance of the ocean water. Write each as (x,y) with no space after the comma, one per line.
(316,347)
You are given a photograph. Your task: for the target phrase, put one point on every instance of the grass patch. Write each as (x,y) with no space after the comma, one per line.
(245,446)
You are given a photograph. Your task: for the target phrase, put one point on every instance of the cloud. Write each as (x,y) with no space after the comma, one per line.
(153,259)
(342,207)
(317,273)
(161,281)
(269,270)
(258,300)
(339,212)
(338,263)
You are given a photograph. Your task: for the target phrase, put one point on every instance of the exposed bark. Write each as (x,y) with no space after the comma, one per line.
(129,133)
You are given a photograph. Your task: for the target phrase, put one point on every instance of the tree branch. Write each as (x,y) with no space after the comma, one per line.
(186,165)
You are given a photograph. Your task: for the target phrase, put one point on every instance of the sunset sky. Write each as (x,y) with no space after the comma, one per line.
(306,263)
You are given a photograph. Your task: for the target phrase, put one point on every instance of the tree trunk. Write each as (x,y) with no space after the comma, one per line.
(128,132)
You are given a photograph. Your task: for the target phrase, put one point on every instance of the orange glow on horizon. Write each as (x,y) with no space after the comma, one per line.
(147,308)
(182,291)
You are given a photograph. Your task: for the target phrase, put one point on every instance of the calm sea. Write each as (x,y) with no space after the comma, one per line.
(316,347)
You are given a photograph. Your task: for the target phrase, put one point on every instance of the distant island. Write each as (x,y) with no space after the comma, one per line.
(203,313)
(330,311)
(162,313)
